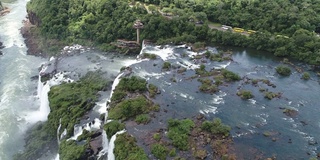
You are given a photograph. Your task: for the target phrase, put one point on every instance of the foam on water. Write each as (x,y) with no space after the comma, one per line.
(147,75)
(218,98)
(209,109)
(252,101)
(221,66)
(165,53)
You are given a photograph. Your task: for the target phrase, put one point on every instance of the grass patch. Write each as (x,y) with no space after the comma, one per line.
(142,118)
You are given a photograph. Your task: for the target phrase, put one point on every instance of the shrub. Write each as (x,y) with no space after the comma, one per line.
(216,127)
(129,108)
(155,108)
(85,134)
(178,132)
(149,55)
(202,71)
(270,95)
(181,70)
(305,76)
(283,70)
(230,76)
(216,57)
(173,79)
(172,152)
(166,65)
(159,151)
(152,90)
(113,127)
(118,95)
(245,94)
(126,148)
(208,88)
(132,84)
(71,150)
(142,118)
(157,136)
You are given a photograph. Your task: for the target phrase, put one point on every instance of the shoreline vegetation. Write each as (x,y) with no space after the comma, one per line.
(101,23)
(165,22)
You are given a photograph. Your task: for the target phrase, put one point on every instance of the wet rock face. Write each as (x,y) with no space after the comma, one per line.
(49,69)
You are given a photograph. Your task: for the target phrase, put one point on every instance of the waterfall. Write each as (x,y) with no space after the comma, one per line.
(63,134)
(111,145)
(77,131)
(115,83)
(57,157)
(58,130)
(105,144)
(44,109)
(142,48)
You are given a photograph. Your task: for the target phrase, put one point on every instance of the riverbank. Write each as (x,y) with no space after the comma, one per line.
(37,44)
(31,39)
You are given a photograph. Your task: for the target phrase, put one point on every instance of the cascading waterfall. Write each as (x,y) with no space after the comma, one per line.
(111,145)
(58,130)
(77,131)
(58,139)
(108,147)
(114,84)
(44,102)
(105,144)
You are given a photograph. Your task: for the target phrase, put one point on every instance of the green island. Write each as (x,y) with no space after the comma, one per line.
(69,103)
(257,24)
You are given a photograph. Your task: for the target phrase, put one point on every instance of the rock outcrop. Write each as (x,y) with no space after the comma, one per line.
(33,18)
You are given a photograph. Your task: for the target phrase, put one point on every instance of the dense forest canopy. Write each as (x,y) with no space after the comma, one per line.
(285,27)
(285,16)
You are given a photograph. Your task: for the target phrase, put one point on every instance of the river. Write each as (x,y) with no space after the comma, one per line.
(291,138)
(18,97)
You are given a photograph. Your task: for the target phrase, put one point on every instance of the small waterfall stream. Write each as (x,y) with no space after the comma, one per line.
(111,145)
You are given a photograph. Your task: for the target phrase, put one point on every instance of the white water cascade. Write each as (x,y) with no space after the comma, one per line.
(58,130)
(105,144)
(111,145)
(44,102)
